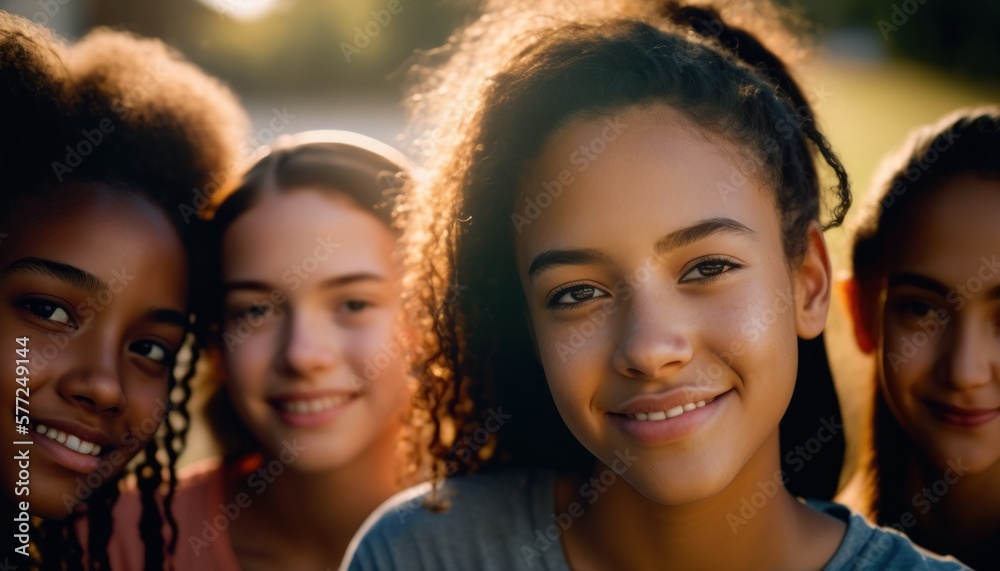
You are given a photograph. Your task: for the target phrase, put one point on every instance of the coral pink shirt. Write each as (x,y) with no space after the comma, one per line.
(203,521)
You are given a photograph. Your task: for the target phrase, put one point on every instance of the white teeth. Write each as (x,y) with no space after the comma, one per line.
(671,413)
(69,441)
(311,406)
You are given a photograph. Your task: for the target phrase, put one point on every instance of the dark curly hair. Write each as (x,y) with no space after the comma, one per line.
(168,129)
(963,142)
(532,67)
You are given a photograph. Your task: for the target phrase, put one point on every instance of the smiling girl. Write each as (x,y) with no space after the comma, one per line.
(94,278)
(303,296)
(632,210)
(926,300)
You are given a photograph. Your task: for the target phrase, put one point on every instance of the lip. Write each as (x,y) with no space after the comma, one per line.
(70,459)
(961,417)
(653,432)
(312,418)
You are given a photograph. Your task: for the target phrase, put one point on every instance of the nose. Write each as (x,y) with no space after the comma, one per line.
(309,345)
(655,341)
(973,358)
(94,381)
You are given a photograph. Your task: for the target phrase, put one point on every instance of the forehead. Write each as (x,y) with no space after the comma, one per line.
(642,173)
(289,228)
(949,232)
(104,232)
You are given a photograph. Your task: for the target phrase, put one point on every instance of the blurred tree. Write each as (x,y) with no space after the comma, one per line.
(302,45)
(959,35)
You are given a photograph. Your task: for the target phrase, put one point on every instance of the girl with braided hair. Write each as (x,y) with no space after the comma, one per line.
(106,140)
(621,250)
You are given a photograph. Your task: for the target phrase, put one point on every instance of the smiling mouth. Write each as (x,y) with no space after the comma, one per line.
(73,442)
(671,412)
(312,406)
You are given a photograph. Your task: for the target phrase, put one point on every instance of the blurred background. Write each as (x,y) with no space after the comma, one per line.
(881,67)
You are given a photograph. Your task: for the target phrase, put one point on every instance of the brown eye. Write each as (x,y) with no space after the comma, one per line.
(572,296)
(48,311)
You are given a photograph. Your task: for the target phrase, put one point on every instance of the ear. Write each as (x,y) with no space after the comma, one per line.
(813,284)
(849,293)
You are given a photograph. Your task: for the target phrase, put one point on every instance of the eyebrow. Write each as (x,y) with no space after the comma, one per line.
(930,284)
(699,231)
(553,258)
(71,275)
(167,317)
(337,281)
(918,281)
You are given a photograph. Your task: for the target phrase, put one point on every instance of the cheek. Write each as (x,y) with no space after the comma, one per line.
(904,364)
(376,355)
(247,365)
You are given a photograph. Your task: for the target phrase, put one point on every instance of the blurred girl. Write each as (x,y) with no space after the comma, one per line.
(106,139)
(926,301)
(630,215)
(304,300)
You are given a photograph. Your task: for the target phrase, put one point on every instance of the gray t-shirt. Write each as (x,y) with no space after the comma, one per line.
(505,521)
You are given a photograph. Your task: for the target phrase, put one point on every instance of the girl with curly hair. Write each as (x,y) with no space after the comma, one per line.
(622,253)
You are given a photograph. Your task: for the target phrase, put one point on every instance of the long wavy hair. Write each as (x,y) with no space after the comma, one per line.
(486,104)
(175,130)
(965,141)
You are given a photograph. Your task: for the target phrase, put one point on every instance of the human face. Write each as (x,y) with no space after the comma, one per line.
(656,286)
(311,343)
(940,317)
(98,286)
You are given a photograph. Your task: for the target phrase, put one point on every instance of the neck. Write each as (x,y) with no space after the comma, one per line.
(954,510)
(753,519)
(314,514)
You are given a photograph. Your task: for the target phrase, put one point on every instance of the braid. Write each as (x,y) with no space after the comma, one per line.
(176,438)
(100,523)
(149,476)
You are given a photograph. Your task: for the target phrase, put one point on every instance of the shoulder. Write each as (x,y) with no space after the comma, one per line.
(489,523)
(869,547)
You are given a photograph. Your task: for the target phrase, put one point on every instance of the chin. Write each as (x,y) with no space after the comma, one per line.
(675,488)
